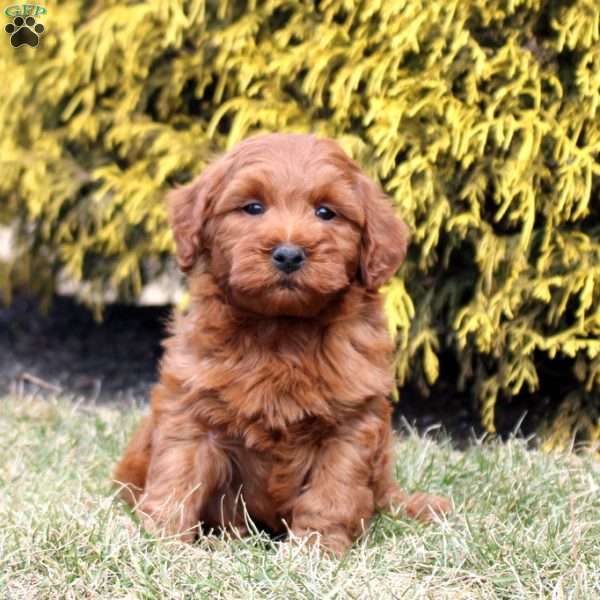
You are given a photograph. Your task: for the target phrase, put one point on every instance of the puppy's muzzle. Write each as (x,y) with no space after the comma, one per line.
(288,257)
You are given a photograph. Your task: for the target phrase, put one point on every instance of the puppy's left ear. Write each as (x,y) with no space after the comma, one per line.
(184,204)
(189,207)
(385,236)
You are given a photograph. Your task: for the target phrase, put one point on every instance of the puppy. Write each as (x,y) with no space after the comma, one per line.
(273,387)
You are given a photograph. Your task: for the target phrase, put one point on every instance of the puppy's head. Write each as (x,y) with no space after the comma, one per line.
(285,223)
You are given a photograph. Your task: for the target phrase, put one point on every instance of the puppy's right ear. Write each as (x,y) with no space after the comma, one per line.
(385,236)
(189,207)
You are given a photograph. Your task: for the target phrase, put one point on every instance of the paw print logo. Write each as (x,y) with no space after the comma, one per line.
(24,31)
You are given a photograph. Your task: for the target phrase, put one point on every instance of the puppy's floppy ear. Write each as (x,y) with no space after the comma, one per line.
(188,208)
(385,236)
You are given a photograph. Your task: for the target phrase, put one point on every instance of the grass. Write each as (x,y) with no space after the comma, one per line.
(527,525)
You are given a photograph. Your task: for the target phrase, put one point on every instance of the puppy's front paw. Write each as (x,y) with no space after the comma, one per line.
(167,522)
(334,544)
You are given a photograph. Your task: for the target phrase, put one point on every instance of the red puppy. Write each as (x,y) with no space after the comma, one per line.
(274,385)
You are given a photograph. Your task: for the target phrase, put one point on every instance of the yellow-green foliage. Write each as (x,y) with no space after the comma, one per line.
(481,118)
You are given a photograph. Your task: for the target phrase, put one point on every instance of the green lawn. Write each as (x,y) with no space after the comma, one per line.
(527,525)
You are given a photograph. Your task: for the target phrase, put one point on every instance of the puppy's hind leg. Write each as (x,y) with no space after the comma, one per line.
(131,471)
(186,471)
(389,497)
(420,505)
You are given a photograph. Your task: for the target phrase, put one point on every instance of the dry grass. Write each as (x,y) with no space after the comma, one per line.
(527,525)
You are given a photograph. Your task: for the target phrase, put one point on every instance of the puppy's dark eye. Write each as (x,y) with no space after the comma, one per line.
(324,213)
(254,208)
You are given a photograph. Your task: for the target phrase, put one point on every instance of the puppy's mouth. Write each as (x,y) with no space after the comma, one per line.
(285,295)
(287,283)
(256,284)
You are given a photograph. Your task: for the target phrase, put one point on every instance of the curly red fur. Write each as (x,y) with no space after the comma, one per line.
(273,388)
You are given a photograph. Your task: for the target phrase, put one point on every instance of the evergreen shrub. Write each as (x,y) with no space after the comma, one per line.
(480,118)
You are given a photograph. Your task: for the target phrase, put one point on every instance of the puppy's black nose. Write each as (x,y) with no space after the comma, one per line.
(288,258)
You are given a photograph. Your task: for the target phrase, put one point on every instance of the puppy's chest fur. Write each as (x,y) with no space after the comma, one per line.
(264,382)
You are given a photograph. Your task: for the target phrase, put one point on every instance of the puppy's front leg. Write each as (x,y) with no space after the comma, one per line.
(338,502)
(186,470)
